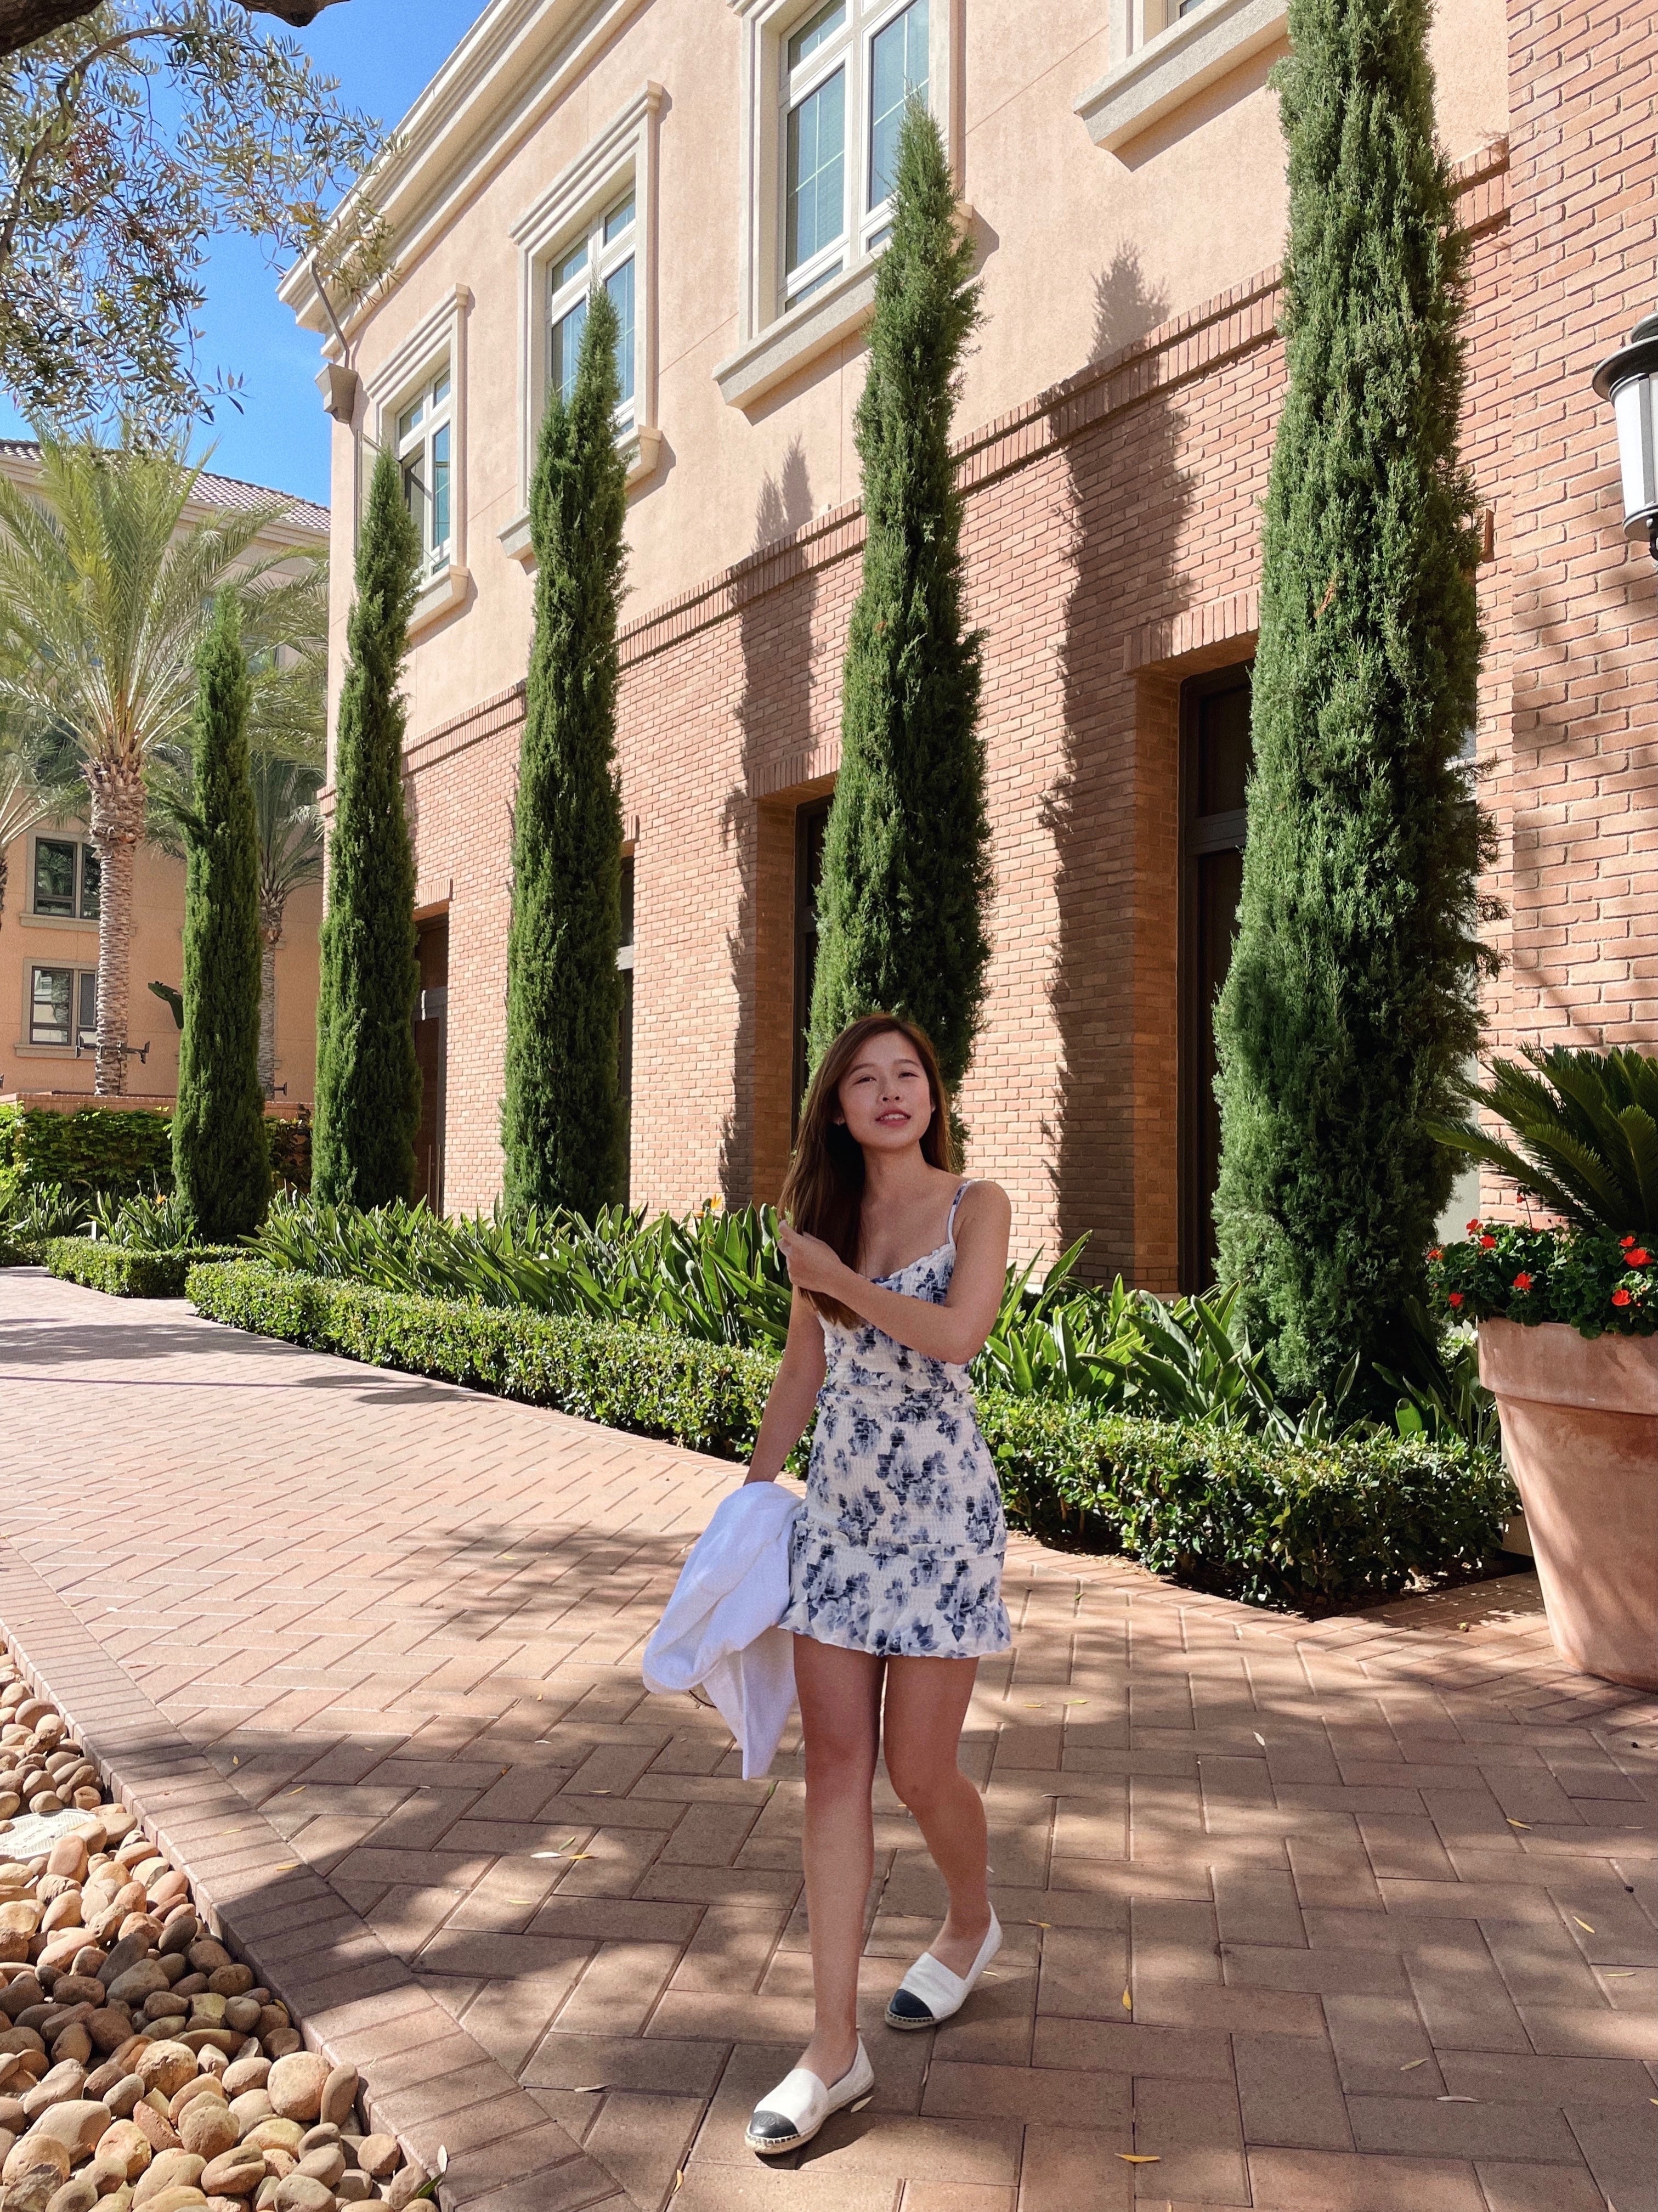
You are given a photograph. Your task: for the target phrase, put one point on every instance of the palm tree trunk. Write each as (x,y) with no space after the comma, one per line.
(270,936)
(116,823)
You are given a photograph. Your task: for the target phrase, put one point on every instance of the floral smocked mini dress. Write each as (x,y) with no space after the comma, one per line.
(899,1547)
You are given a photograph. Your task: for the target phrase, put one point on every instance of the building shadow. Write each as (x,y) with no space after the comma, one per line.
(1111,808)
(773,716)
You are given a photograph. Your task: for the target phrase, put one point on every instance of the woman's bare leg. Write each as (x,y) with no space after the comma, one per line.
(927,1702)
(840,1694)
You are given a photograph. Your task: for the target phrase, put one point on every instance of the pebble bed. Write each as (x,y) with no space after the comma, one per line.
(142,2065)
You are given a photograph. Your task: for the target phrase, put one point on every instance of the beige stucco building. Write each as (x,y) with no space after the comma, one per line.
(49,922)
(720,165)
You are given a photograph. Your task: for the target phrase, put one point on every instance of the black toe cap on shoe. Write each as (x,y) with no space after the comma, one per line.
(907,2006)
(773,2128)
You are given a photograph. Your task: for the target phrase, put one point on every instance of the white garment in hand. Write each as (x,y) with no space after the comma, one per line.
(718,1631)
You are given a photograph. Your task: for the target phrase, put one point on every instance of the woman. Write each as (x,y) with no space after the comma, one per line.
(895,1562)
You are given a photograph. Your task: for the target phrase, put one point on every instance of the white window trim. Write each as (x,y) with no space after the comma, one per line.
(1156,71)
(436,415)
(774,341)
(439,337)
(626,147)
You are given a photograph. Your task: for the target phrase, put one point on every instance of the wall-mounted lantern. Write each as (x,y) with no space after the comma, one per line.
(1629,378)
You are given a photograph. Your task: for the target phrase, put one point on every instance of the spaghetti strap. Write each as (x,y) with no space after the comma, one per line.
(950,1226)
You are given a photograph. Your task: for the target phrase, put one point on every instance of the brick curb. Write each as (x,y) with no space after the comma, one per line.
(426,2080)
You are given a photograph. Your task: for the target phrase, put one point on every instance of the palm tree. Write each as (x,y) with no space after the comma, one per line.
(107,581)
(290,854)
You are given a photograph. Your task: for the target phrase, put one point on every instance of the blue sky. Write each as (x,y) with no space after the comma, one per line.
(383,52)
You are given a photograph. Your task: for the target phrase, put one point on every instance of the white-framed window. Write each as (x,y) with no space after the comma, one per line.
(62,1008)
(425,435)
(63,882)
(595,220)
(604,250)
(848,72)
(1163,52)
(415,407)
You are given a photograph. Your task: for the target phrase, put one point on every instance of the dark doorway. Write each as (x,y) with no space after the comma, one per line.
(1215,761)
(624,1058)
(811,825)
(432,1052)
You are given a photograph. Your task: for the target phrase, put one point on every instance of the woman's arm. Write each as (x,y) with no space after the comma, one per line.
(788,1407)
(954,1331)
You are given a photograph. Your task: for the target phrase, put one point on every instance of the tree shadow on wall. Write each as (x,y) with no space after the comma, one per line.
(1112,805)
(774,714)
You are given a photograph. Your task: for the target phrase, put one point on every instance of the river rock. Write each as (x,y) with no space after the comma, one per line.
(173,2200)
(379,2155)
(326,2165)
(159,2130)
(78,2194)
(174,2169)
(57,2087)
(127,1952)
(296,2085)
(123,2095)
(252,2108)
(179,1933)
(208,2126)
(235,2173)
(246,2074)
(126,2146)
(340,2095)
(28,2157)
(302,2192)
(278,2134)
(137,1983)
(405,2185)
(78,2126)
(165,2066)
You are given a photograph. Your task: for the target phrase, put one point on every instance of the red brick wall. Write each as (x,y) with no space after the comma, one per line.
(1111,540)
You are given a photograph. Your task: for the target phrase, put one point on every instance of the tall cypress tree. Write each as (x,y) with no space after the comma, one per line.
(368,1079)
(221,1164)
(562,1120)
(906,859)
(1351,999)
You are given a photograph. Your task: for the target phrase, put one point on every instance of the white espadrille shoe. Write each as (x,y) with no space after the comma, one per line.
(792,2113)
(929,1992)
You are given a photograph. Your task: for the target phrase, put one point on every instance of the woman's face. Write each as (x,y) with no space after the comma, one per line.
(885,1099)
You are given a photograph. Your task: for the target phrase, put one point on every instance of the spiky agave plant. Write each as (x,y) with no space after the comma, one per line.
(1585,1132)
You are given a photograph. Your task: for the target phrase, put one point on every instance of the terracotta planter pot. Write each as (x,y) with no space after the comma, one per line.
(1579,1427)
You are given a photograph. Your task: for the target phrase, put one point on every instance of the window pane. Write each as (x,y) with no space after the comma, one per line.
(898,67)
(88,1009)
(413,493)
(618,219)
(439,487)
(48,1005)
(440,389)
(92,877)
(571,265)
(54,878)
(816,210)
(411,419)
(817,32)
(620,286)
(627,936)
(567,345)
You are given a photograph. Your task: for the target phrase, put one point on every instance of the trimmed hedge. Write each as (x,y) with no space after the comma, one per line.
(707,1396)
(119,1150)
(1307,1526)
(18,1256)
(1304,1526)
(124,1270)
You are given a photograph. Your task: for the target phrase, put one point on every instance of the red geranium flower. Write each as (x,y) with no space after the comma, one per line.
(1455,1298)
(1473,1225)
(1522,1282)
(1620,1297)
(1435,1252)
(1488,1244)
(1638,1258)
(1623,1243)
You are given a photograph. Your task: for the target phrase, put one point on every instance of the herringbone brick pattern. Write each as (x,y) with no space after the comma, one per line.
(1352,1917)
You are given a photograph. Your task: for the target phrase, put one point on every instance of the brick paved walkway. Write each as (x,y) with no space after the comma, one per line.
(1356,1916)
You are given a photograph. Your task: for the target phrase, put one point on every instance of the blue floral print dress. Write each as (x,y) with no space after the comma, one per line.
(899,1547)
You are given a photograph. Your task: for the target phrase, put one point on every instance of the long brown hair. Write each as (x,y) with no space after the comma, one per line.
(823,1192)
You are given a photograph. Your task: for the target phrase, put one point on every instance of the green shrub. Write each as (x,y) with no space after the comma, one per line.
(1247,1516)
(120,1150)
(124,1270)
(1596,1282)
(709,1397)
(290,1149)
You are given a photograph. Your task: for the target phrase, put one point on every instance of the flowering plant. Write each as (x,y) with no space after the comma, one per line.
(1594,1280)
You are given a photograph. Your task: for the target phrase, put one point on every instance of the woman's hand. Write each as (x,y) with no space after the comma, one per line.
(813,1264)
